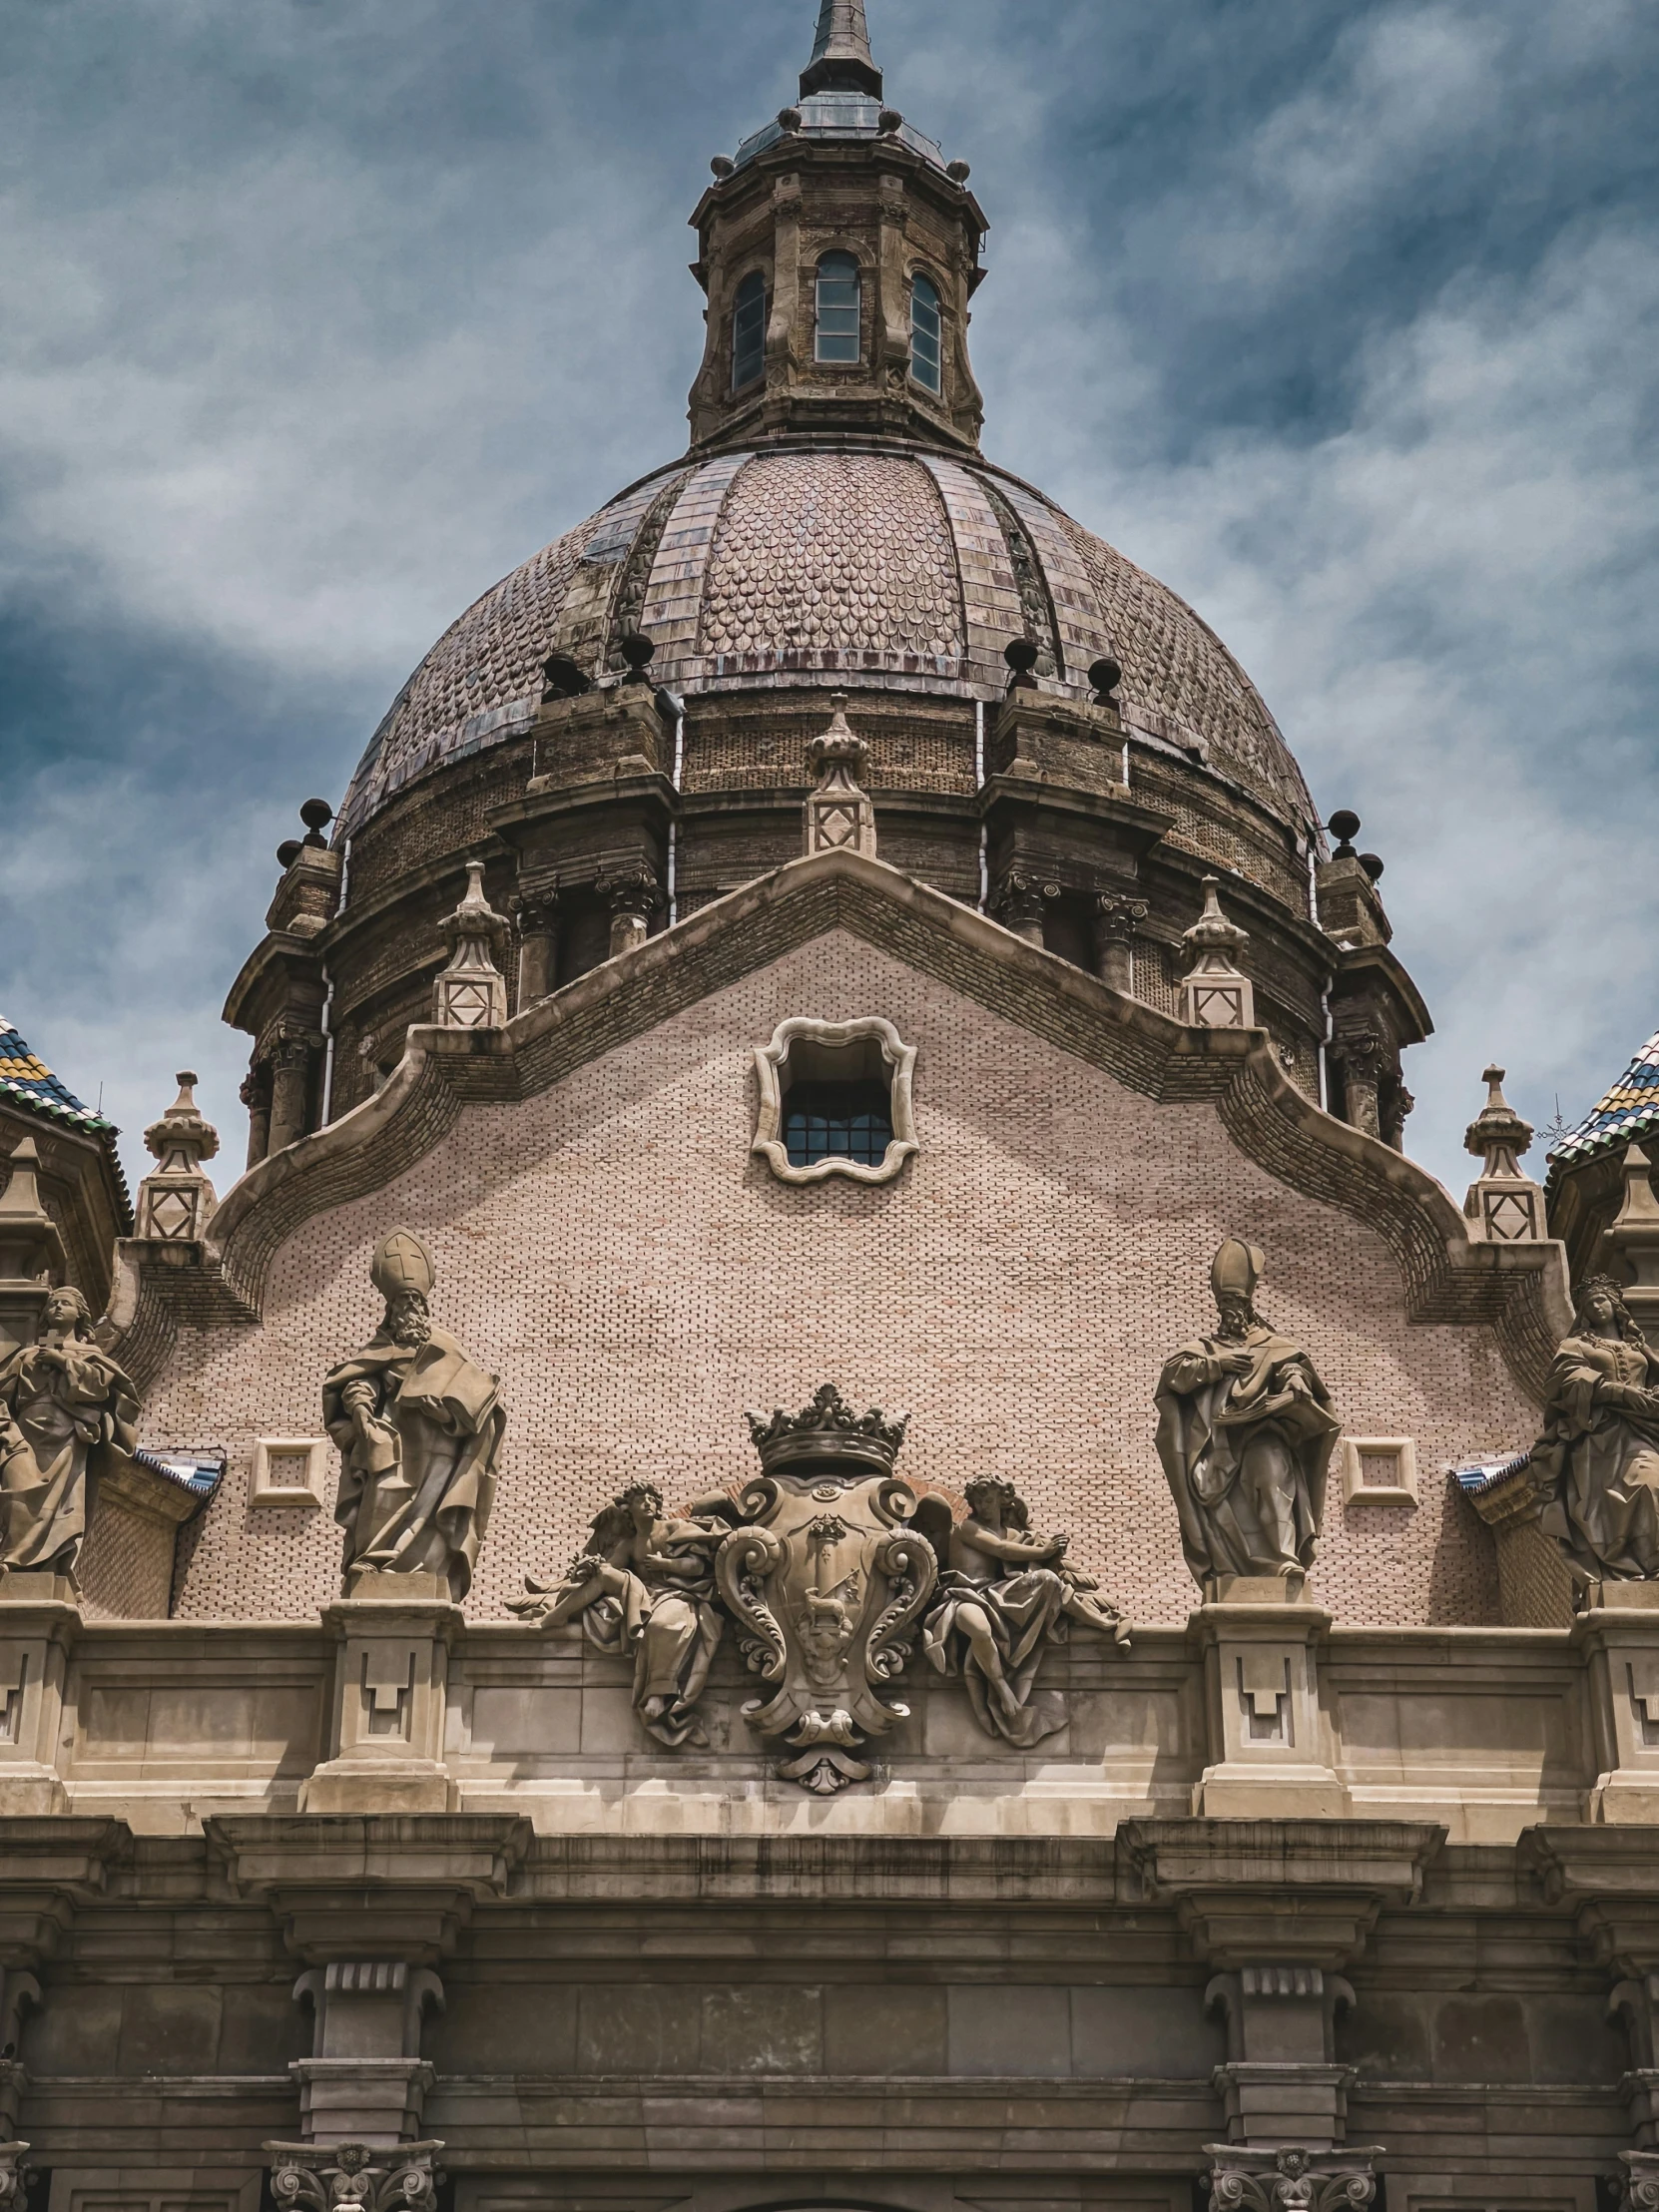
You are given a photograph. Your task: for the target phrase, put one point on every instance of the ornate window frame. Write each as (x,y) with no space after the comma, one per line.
(898,1060)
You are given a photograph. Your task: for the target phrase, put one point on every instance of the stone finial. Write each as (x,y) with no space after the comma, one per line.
(838,816)
(471,991)
(1631,1249)
(31,1249)
(176,1199)
(841,60)
(1503,1205)
(1216,993)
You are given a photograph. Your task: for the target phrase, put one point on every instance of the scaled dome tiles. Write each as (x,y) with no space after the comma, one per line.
(891,569)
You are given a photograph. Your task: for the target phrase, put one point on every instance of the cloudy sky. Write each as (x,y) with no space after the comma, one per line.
(1342,316)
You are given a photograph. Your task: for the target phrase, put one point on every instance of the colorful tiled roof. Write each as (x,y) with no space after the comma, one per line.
(885,568)
(1630,1109)
(26,1080)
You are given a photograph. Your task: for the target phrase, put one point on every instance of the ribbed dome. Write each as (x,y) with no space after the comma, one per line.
(888,568)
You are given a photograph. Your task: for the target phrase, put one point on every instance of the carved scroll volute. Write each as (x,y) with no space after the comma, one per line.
(742,1566)
(909,1561)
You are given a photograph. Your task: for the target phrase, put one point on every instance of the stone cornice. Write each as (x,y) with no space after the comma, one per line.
(1520,1290)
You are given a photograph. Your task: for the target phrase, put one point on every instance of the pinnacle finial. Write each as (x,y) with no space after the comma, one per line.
(841,59)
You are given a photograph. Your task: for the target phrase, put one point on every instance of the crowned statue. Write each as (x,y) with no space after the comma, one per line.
(1597,1462)
(67,1413)
(644,1587)
(419,1427)
(1002,1595)
(1245,1434)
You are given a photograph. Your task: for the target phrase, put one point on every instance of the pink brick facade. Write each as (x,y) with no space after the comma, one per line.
(638,1278)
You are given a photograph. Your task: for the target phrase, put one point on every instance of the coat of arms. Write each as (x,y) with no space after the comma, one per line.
(827,1582)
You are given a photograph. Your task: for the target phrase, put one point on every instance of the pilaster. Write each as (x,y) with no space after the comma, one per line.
(39,1622)
(1279,1908)
(1618,1633)
(391,1698)
(1261,1681)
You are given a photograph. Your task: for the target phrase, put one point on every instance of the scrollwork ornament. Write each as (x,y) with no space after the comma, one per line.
(913,1567)
(1290,2179)
(14,2174)
(352,2177)
(742,1566)
(1640,2190)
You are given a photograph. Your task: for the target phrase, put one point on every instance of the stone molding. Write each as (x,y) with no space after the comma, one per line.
(835,1036)
(1519,1290)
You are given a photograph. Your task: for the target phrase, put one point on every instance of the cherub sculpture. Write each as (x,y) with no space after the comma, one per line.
(1597,1462)
(643,1583)
(1003,1594)
(66,1414)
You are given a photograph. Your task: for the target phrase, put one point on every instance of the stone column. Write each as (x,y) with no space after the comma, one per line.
(256,1096)
(538,948)
(1116,921)
(1021,903)
(633,898)
(1360,1060)
(290,1090)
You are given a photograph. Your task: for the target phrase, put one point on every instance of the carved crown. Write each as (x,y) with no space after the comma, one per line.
(828,1429)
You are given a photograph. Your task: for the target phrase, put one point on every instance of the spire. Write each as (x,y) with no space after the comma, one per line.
(841,60)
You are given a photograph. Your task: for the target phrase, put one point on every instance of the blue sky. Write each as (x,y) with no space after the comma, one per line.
(316,316)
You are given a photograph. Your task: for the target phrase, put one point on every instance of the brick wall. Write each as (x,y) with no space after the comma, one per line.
(612,1248)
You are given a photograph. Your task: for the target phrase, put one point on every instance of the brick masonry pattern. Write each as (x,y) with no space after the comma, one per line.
(611,1248)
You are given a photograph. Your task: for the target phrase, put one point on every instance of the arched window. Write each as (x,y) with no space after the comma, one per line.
(837,310)
(925,332)
(748,330)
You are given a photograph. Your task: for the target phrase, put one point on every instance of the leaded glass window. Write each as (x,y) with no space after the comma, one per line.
(838,299)
(926,335)
(748,330)
(838,1121)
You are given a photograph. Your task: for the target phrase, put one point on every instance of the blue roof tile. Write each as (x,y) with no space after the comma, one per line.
(26,1080)
(1630,1109)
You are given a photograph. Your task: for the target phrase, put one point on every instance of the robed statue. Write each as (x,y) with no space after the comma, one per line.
(1597,1462)
(1002,1595)
(643,1587)
(1245,1432)
(419,1427)
(67,1413)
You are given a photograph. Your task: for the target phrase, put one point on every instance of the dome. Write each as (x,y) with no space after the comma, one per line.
(883,567)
